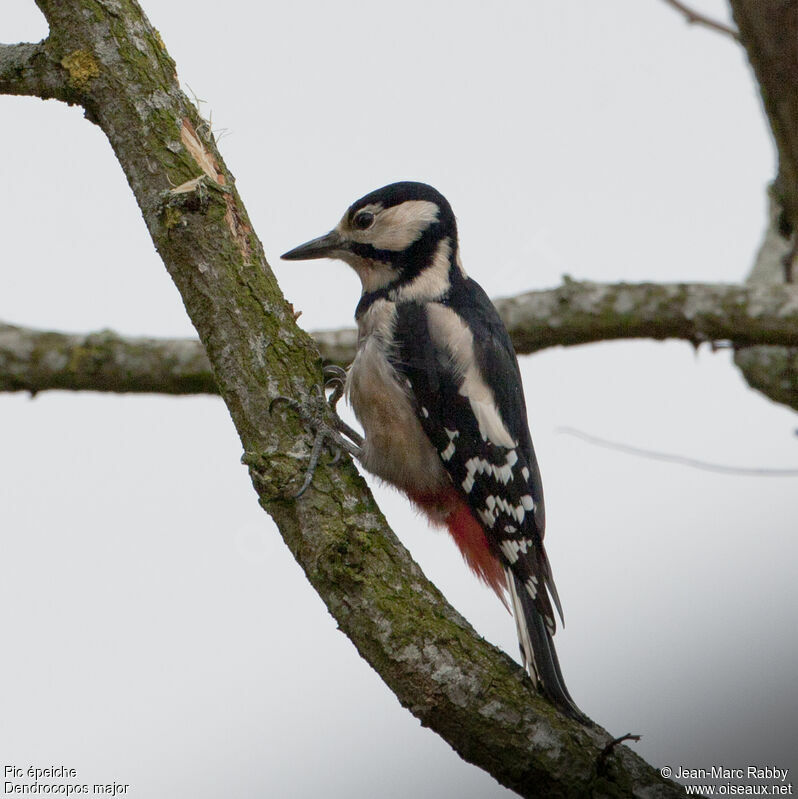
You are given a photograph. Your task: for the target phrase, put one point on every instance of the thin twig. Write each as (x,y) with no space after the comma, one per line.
(694,18)
(601,760)
(680,459)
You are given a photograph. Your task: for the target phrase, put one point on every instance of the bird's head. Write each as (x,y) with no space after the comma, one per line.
(391,236)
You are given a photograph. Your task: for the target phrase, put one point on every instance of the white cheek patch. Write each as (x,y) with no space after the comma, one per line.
(397,227)
(373,274)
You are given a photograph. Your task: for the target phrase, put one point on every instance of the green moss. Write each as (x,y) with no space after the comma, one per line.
(164,123)
(95,9)
(130,52)
(171,217)
(159,39)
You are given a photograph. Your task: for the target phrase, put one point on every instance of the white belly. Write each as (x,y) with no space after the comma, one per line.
(396,447)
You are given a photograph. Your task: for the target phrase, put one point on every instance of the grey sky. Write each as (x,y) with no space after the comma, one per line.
(157,632)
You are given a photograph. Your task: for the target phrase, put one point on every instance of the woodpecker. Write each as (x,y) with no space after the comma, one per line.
(436,387)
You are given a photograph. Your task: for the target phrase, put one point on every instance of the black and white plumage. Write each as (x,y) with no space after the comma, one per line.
(436,385)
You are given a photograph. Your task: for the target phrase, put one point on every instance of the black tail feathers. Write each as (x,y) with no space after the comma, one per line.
(537,650)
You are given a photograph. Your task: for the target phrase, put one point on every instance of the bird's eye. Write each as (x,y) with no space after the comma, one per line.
(363,220)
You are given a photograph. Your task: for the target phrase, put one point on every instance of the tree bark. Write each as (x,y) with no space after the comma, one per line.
(769,33)
(37,360)
(104,55)
(574,313)
(771,370)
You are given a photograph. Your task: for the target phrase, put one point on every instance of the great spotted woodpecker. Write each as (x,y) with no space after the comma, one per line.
(436,386)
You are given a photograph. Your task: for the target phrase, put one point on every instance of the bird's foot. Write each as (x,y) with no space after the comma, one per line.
(335,382)
(318,413)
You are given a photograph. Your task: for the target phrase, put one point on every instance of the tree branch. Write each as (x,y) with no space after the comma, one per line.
(29,70)
(574,313)
(470,693)
(582,313)
(769,33)
(35,360)
(694,18)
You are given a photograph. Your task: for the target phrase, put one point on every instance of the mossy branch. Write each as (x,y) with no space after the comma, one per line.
(470,693)
(574,313)
(581,313)
(37,360)
(30,70)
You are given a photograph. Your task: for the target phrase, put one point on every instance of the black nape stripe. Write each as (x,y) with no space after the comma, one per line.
(370,297)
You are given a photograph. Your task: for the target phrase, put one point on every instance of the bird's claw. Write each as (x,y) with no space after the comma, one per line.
(320,417)
(334,379)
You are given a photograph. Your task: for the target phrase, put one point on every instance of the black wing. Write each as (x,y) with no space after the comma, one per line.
(500,483)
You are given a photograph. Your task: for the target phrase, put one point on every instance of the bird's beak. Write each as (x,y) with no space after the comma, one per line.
(322,247)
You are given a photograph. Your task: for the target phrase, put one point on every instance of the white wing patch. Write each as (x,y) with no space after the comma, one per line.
(491,426)
(446,454)
(513,511)
(488,518)
(475,466)
(502,474)
(510,550)
(512,547)
(451,334)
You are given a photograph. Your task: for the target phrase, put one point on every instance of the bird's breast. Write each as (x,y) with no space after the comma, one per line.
(396,447)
